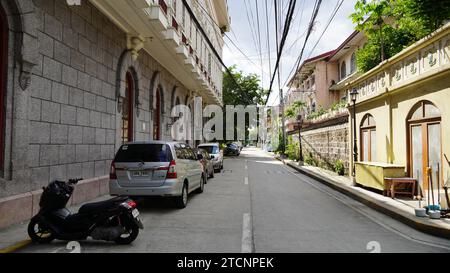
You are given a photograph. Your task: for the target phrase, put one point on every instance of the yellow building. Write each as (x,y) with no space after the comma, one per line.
(403,116)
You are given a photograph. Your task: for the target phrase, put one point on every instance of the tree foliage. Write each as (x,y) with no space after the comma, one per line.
(246,90)
(392,25)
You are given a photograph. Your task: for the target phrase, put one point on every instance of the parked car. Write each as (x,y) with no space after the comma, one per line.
(216,154)
(208,165)
(232,149)
(157,168)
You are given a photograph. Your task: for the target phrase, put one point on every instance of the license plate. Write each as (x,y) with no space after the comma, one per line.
(140,173)
(135,213)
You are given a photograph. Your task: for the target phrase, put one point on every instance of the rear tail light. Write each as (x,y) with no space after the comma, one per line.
(171,173)
(112,171)
(132,204)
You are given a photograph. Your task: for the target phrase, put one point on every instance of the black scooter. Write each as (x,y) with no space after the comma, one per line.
(114,220)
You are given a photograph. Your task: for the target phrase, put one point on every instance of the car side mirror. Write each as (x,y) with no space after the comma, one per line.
(199,157)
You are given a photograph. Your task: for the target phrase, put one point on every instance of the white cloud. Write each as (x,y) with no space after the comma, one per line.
(241,34)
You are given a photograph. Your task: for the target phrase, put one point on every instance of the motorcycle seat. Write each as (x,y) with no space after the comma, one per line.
(100,206)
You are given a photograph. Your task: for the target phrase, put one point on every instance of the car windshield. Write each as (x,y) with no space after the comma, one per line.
(144,153)
(210,149)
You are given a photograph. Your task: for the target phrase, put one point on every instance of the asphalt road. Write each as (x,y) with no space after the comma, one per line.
(259,205)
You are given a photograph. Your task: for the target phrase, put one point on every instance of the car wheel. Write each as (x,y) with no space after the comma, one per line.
(202,185)
(182,200)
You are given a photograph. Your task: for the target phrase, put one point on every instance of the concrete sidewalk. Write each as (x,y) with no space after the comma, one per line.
(398,209)
(15,237)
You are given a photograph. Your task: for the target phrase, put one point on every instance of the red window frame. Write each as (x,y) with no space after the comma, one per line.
(3,78)
(129,92)
(157,116)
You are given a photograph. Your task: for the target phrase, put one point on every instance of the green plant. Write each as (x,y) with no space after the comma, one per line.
(293,110)
(339,167)
(309,160)
(338,105)
(316,114)
(293,149)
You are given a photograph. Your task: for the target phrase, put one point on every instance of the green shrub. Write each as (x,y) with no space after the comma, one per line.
(309,160)
(339,167)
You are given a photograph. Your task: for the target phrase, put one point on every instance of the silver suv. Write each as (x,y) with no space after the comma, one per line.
(156,168)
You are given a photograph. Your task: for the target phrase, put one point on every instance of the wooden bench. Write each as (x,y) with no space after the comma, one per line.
(391,186)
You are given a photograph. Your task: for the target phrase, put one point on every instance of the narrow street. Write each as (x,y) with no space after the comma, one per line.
(259,205)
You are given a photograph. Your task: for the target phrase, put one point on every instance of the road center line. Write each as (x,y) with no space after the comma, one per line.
(247,239)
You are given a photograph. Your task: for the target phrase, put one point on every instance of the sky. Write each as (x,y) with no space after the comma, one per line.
(243,15)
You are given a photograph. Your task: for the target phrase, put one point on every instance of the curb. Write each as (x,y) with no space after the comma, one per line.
(15,247)
(412,221)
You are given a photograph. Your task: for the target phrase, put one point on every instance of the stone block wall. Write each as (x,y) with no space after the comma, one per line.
(66,123)
(327,145)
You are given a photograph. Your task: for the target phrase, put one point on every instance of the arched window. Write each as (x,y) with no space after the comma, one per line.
(368,132)
(3,77)
(157,116)
(127,109)
(353,63)
(343,70)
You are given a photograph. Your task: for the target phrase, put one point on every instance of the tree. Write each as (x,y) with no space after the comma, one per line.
(242,90)
(247,91)
(392,25)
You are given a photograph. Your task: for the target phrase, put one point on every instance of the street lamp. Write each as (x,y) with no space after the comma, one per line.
(300,122)
(353,97)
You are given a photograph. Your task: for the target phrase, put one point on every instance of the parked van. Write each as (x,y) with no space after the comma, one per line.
(157,168)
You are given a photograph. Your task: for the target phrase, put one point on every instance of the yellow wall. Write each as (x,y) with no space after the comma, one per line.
(391,110)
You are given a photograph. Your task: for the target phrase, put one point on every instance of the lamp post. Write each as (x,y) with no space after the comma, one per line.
(353,97)
(300,122)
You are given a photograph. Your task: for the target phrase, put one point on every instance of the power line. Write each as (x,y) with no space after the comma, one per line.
(335,11)
(287,24)
(310,28)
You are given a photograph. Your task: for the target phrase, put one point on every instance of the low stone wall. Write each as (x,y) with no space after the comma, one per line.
(21,207)
(326,145)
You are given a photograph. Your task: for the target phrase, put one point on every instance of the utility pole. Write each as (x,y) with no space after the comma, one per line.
(282,121)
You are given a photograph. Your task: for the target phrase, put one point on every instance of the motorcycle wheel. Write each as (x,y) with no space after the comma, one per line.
(129,236)
(39,233)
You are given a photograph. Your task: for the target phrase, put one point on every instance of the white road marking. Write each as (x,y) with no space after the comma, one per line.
(247,239)
(364,213)
(246,180)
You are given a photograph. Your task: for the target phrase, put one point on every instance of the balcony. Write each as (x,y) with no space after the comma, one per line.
(157,12)
(166,40)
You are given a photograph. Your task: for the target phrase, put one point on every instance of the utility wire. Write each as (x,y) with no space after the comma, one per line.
(310,28)
(287,24)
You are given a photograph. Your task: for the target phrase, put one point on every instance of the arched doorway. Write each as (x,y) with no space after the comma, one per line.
(157,116)
(127,109)
(3,78)
(424,130)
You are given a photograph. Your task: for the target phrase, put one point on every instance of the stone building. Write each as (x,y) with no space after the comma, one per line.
(79,79)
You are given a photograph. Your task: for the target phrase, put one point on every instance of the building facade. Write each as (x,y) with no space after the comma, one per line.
(79,80)
(403,113)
